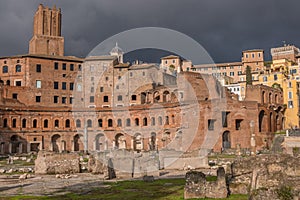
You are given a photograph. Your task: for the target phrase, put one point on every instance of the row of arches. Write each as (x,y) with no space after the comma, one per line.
(67,123)
(269,97)
(145,121)
(270,122)
(156,96)
(24,123)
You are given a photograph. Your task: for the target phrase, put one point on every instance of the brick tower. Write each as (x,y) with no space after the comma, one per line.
(47,39)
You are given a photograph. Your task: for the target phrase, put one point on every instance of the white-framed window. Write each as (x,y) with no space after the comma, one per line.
(38,84)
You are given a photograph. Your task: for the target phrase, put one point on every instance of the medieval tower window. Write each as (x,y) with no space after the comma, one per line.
(38,68)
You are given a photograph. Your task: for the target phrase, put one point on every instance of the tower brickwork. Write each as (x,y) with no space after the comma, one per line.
(47,39)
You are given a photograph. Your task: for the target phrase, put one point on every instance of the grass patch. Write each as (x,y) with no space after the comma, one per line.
(164,189)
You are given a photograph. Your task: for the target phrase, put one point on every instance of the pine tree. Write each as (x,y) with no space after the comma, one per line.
(248,75)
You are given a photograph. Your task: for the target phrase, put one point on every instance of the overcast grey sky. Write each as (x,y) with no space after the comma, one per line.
(223,27)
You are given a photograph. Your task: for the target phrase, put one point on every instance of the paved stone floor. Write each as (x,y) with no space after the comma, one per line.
(48,184)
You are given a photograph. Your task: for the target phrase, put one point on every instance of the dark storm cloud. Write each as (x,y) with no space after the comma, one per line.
(223,27)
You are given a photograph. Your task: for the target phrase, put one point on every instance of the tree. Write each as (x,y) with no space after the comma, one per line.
(248,75)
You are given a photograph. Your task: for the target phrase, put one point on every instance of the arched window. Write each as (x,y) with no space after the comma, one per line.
(152,121)
(56,123)
(5,69)
(14,123)
(89,123)
(110,123)
(136,120)
(34,123)
(145,122)
(78,123)
(119,122)
(160,120)
(167,120)
(67,123)
(128,122)
(23,123)
(100,122)
(46,123)
(5,123)
(173,119)
(18,68)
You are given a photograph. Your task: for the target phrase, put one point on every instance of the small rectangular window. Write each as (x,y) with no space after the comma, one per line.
(92,89)
(120,98)
(79,68)
(71,86)
(15,96)
(38,84)
(64,66)
(56,65)
(18,83)
(38,68)
(37,99)
(211,124)
(92,99)
(101,89)
(71,67)
(55,99)
(71,100)
(64,85)
(64,100)
(55,85)
(105,99)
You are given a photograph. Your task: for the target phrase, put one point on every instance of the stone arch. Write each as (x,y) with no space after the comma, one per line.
(5,123)
(78,123)
(166,138)
(136,121)
(271,122)
(119,122)
(100,142)
(24,123)
(15,144)
(78,142)
(137,142)
(67,123)
(120,141)
(263,97)
(262,121)
(46,123)
(89,123)
(156,97)
(152,142)
(226,141)
(55,141)
(143,98)
(270,97)
(34,123)
(160,122)
(110,123)
(128,122)
(145,121)
(56,123)
(166,96)
(152,121)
